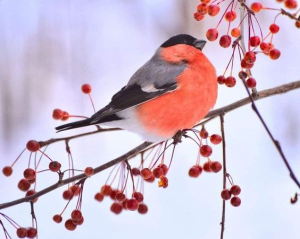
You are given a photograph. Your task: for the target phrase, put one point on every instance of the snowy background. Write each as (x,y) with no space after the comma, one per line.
(48,49)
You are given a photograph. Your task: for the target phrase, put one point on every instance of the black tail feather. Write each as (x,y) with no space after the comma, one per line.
(74,125)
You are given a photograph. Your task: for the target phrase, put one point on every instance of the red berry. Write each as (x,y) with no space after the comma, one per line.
(215,166)
(251,82)
(243,75)
(132,204)
(69,225)
(291,4)
(116,208)
(274,28)
(67,194)
(254,41)
(142,209)
(33,145)
(212,34)
(230,81)
(57,114)
(24,185)
(235,201)
(135,171)
(65,116)
(297,24)
(124,204)
(230,16)
(205,150)
(225,41)
(157,172)
(21,232)
(235,32)
(202,8)
(89,171)
(266,47)
(195,171)
(99,197)
(29,173)
(31,192)
(163,182)
(221,81)
(256,7)
(250,57)
(76,189)
(113,194)
(76,215)
(138,196)
(151,179)
(274,54)
(164,168)
(54,166)
(225,194)
(86,88)
(31,232)
(106,190)
(203,133)
(7,171)
(246,65)
(215,139)
(120,197)
(235,190)
(146,173)
(198,16)
(206,166)
(80,222)
(213,10)
(57,218)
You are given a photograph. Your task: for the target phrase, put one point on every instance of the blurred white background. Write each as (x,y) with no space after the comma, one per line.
(48,49)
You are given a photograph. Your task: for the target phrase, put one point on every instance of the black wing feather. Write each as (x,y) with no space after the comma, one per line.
(128,97)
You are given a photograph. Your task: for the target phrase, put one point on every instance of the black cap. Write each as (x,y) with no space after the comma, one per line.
(184,39)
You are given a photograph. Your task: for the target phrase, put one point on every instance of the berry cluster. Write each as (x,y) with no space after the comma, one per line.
(76,215)
(135,202)
(206,151)
(120,200)
(22,232)
(29,232)
(58,114)
(255,40)
(232,194)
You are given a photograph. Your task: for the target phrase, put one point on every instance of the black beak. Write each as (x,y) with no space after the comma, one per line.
(199,44)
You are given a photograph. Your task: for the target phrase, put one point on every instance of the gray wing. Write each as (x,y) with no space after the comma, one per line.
(154,78)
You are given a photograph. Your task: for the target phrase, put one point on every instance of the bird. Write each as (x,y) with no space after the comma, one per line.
(171,92)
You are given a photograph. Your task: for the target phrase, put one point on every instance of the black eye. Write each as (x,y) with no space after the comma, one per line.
(184,61)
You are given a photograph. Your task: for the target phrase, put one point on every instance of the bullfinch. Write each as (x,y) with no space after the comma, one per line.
(172,91)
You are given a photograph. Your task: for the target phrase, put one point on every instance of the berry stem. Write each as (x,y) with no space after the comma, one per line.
(18,158)
(92,102)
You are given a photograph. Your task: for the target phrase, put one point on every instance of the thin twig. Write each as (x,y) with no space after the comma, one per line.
(109,164)
(99,130)
(224,173)
(276,142)
(260,95)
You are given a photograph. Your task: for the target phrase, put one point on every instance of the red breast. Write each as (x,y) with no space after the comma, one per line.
(195,95)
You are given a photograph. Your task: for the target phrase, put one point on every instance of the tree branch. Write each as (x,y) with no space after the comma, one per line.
(130,154)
